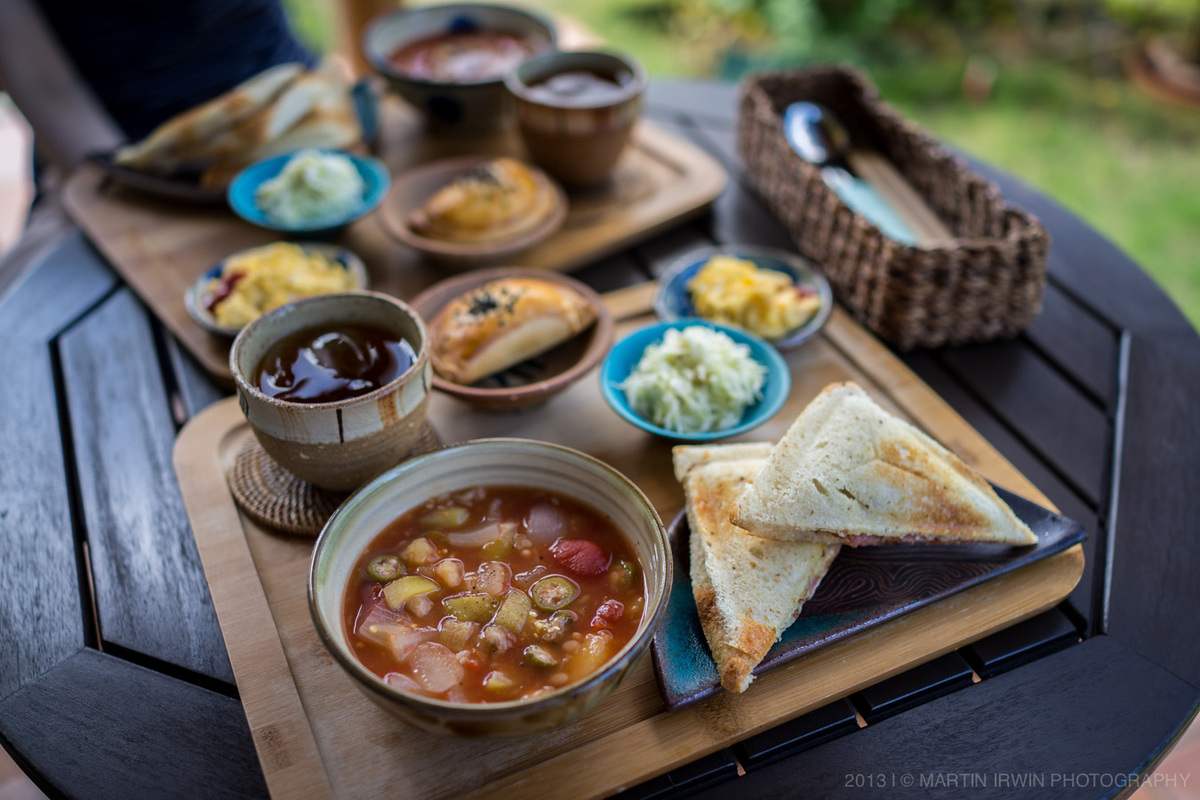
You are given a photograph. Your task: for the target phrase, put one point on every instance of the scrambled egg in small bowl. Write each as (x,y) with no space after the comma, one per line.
(772,293)
(248,284)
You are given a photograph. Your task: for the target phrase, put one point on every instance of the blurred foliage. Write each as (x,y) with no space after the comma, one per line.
(741,34)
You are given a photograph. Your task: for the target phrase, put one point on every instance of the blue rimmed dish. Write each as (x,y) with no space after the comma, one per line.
(197,298)
(673,301)
(376,182)
(625,355)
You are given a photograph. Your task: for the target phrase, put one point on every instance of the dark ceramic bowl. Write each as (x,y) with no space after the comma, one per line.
(457,108)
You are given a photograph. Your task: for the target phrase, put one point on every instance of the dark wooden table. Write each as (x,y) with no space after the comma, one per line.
(114,680)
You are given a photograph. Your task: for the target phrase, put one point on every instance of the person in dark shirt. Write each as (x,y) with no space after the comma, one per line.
(91,74)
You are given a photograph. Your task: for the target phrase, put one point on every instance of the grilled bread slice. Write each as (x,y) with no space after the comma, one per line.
(186,136)
(748,590)
(849,472)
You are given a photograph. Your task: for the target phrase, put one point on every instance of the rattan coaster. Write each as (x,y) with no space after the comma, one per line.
(275,498)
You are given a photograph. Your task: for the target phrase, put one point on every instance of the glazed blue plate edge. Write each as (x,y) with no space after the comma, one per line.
(683,663)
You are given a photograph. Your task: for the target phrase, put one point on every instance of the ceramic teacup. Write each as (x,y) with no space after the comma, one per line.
(576,111)
(342,444)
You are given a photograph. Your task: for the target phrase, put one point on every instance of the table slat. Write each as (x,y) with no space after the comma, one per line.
(151,739)
(1155,589)
(926,364)
(143,556)
(1041,406)
(41,615)
(960,737)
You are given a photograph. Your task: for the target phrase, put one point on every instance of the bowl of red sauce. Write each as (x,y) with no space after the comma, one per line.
(335,387)
(449,61)
(495,587)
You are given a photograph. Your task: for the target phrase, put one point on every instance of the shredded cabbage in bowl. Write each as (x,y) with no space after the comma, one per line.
(695,380)
(313,187)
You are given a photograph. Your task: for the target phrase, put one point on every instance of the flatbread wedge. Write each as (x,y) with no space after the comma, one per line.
(748,590)
(847,471)
(186,136)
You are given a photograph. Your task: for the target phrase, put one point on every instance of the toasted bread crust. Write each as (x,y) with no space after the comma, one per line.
(748,590)
(849,471)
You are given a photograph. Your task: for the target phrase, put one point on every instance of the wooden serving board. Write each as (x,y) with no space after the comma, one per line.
(160,247)
(318,736)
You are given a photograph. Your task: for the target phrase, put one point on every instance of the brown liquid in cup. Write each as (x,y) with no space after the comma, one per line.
(327,363)
(581,88)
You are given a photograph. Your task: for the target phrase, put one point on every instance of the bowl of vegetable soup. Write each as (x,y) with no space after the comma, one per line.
(495,587)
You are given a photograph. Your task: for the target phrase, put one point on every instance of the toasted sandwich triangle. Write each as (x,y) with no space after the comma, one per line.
(748,590)
(849,472)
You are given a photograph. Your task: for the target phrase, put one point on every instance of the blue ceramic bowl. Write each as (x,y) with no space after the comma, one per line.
(625,355)
(674,302)
(376,181)
(197,294)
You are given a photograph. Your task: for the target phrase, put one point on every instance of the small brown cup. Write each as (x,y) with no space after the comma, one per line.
(338,445)
(577,139)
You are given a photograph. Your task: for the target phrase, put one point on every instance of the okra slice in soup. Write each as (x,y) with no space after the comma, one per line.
(554,592)
(538,656)
(385,568)
(557,629)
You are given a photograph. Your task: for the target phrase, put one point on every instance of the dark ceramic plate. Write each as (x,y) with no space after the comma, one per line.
(864,587)
(185,183)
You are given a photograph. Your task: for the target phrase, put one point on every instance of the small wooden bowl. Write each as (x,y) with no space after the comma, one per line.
(540,378)
(411,189)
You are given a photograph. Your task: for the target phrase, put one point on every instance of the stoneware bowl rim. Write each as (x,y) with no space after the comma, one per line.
(484,713)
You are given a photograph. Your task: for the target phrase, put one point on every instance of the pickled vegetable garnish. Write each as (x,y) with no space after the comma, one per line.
(695,380)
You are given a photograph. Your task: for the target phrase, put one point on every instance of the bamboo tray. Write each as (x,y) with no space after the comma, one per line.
(318,736)
(160,247)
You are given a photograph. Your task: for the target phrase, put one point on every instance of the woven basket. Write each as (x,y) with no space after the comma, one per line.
(987,284)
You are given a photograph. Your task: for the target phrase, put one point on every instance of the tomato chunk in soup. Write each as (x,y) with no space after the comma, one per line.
(493,593)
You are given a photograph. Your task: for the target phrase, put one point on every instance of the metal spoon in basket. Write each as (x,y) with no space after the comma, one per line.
(820,138)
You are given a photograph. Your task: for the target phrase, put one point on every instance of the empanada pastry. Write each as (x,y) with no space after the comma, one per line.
(503,323)
(496,201)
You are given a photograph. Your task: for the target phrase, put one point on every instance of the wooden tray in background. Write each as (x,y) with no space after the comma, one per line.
(318,736)
(160,247)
